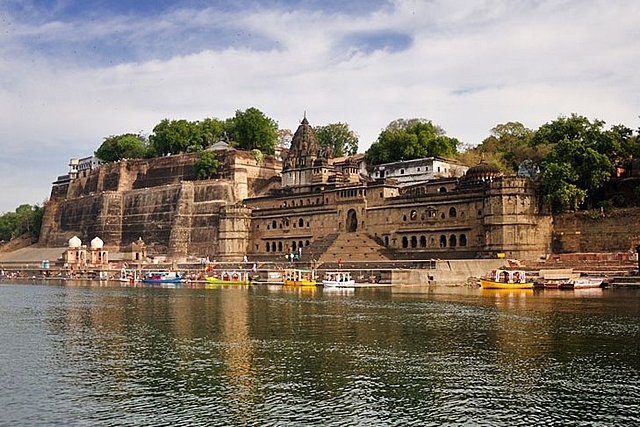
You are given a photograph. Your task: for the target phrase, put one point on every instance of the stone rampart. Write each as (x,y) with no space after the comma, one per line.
(617,230)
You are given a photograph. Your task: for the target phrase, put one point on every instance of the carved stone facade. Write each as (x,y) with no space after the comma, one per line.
(266,209)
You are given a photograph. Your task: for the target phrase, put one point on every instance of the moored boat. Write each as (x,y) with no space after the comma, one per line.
(584,283)
(299,277)
(162,277)
(230,278)
(338,279)
(506,279)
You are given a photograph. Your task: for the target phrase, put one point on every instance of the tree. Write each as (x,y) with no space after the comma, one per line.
(410,139)
(125,146)
(172,136)
(180,136)
(26,219)
(284,138)
(207,165)
(337,139)
(251,129)
(578,164)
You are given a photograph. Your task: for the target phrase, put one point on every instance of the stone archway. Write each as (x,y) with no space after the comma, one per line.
(352,221)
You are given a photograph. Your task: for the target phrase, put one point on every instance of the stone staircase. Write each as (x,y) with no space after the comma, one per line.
(349,247)
(315,251)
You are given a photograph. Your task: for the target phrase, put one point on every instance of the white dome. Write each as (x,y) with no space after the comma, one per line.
(97,243)
(75,242)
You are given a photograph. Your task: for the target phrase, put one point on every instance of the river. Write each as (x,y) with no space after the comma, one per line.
(81,354)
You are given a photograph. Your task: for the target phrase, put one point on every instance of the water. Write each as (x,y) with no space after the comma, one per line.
(91,355)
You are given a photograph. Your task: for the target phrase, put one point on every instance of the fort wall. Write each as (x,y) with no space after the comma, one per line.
(617,230)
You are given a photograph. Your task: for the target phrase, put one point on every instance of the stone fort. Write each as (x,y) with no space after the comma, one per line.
(301,202)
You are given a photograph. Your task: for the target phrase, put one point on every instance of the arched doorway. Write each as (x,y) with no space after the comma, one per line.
(352,221)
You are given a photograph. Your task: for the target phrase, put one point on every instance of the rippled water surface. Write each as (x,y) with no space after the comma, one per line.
(91,355)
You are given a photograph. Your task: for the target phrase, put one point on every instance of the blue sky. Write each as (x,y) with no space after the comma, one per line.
(74,72)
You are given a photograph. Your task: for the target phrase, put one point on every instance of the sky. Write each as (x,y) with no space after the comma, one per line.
(73,72)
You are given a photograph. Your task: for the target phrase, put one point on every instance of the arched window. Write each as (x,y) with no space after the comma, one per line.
(300,223)
(463,240)
(414,215)
(443,241)
(279,246)
(414,241)
(452,213)
(274,224)
(405,242)
(442,190)
(453,241)
(386,240)
(268,247)
(273,246)
(423,242)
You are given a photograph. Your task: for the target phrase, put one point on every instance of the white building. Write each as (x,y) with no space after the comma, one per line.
(81,167)
(409,172)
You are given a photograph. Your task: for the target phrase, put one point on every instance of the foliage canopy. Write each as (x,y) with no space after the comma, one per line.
(125,146)
(410,139)
(337,140)
(26,219)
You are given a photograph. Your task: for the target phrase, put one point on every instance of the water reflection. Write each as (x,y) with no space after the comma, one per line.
(306,356)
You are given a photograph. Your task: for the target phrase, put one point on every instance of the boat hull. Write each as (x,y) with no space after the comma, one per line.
(216,281)
(162,281)
(334,284)
(299,283)
(490,284)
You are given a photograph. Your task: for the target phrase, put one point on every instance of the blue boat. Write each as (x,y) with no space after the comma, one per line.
(162,277)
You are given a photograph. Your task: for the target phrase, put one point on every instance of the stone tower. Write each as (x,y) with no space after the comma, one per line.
(298,166)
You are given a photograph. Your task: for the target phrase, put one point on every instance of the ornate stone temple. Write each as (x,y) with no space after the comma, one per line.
(323,204)
(319,207)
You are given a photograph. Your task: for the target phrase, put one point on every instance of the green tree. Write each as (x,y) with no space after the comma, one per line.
(207,165)
(337,140)
(251,129)
(579,162)
(410,139)
(125,146)
(26,219)
(173,137)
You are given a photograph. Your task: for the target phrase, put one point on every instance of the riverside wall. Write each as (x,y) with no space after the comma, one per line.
(616,230)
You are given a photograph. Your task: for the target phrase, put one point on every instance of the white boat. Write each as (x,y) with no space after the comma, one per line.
(587,282)
(338,279)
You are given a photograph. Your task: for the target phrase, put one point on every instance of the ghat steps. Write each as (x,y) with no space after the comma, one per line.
(348,247)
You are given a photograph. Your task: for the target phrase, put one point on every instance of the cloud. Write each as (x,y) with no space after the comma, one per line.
(76,72)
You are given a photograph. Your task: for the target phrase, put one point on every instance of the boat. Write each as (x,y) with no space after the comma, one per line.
(162,277)
(506,279)
(553,283)
(230,278)
(128,275)
(584,283)
(338,279)
(299,277)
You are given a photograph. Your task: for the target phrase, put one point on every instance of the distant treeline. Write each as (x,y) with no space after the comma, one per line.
(25,220)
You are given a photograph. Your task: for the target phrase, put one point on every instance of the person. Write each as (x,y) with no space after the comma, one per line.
(245,259)
(339,262)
